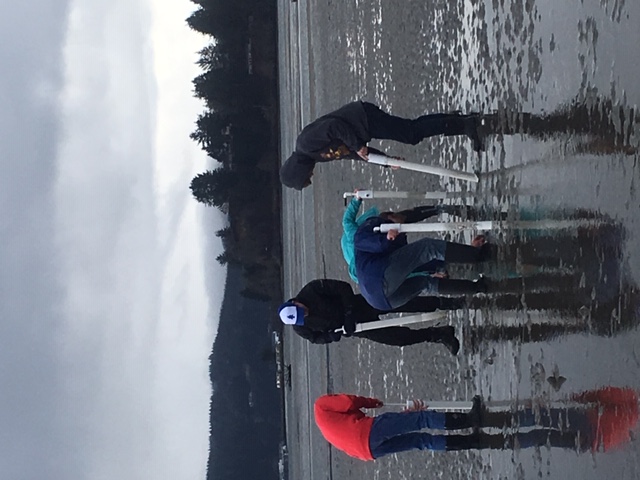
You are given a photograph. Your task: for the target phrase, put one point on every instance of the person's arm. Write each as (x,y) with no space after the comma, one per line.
(377,152)
(349,224)
(341,293)
(319,338)
(367,240)
(341,130)
(344,403)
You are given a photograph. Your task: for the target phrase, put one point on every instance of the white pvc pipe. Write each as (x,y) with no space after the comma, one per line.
(504,405)
(370,194)
(419,167)
(432,318)
(487,225)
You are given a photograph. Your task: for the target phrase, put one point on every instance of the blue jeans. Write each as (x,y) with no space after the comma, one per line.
(397,287)
(399,432)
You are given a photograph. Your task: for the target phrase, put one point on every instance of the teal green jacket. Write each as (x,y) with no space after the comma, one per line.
(350,224)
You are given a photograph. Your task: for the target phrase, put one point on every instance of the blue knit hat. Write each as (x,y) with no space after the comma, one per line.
(291,314)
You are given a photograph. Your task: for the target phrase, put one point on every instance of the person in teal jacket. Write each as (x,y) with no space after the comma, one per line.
(351,222)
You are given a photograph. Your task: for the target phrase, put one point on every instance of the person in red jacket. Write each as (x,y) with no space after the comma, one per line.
(345,426)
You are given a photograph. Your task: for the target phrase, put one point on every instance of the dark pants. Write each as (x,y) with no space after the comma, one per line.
(398,432)
(389,127)
(401,336)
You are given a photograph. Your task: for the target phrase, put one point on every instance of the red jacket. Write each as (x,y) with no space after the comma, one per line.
(343,424)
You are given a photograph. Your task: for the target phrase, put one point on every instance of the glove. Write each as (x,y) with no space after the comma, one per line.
(348,323)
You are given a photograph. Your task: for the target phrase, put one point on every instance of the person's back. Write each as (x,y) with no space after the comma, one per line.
(372,258)
(344,425)
(350,224)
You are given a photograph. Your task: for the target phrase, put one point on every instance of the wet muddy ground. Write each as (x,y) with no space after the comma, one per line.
(559,84)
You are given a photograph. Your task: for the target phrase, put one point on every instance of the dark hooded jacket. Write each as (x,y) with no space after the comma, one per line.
(372,259)
(335,136)
(330,304)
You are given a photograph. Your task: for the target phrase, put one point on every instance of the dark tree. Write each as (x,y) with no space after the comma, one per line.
(214,187)
(212,57)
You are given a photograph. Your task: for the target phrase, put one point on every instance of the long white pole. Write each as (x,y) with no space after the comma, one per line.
(487,225)
(465,406)
(431,318)
(419,167)
(370,194)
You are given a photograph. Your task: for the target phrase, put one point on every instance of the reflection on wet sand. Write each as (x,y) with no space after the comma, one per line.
(598,421)
(607,127)
(576,278)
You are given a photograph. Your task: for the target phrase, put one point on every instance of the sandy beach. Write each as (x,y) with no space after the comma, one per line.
(561,84)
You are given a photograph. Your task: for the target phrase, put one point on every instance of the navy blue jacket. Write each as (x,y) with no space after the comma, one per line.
(372,259)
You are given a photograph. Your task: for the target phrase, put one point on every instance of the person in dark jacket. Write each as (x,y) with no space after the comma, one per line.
(385,263)
(324,306)
(345,133)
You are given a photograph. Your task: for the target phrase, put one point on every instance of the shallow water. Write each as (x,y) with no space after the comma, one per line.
(560,83)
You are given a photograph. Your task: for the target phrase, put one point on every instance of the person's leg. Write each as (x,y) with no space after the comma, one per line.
(404,336)
(363,312)
(390,424)
(410,289)
(431,304)
(406,442)
(418,214)
(385,126)
(389,127)
(408,258)
(460,253)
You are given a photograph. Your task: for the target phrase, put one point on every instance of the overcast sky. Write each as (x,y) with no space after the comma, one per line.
(105,323)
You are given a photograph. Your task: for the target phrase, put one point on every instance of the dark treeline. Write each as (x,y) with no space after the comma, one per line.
(239,128)
(245,416)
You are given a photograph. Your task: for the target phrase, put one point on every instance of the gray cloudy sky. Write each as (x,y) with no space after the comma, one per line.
(105,323)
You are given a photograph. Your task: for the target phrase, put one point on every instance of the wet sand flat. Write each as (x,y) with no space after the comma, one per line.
(559,82)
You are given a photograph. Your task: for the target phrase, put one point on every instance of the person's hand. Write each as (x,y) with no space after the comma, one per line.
(363,153)
(348,323)
(392,234)
(417,406)
(378,404)
(395,167)
(440,275)
(478,241)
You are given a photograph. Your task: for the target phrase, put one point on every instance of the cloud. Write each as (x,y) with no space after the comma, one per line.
(106,325)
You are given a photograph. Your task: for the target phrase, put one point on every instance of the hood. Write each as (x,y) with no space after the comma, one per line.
(295,172)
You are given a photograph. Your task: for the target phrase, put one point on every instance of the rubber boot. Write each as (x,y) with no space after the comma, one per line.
(471,123)
(453,303)
(457,421)
(446,336)
(458,288)
(456,124)
(418,214)
(459,253)
(473,419)
(458,210)
(463,442)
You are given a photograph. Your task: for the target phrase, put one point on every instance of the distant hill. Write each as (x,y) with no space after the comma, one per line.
(246,407)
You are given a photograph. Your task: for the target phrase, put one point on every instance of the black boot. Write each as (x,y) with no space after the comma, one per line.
(460,253)
(457,421)
(463,442)
(457,124)
(452,303)
(419,214)
(446,336)
(471,123)
(473,419)
(458,288)
(458,210)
